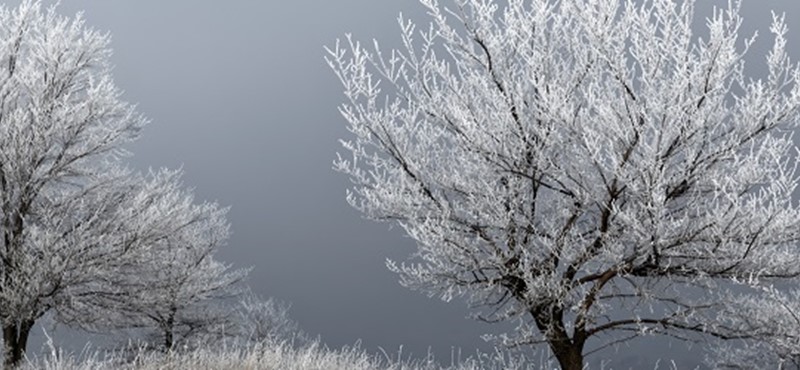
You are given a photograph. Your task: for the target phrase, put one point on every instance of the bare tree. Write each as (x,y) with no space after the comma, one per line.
(72,218)
(585,167)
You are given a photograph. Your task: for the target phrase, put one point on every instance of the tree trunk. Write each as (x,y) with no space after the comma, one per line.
(569,356)
(169,328)
(15,341)
(568,351)
(168,340)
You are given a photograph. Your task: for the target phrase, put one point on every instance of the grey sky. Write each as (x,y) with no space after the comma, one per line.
(239,95)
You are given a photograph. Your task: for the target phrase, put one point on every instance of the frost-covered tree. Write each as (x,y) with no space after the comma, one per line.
(175,292)
(262,320)
(586,168)
(72,218)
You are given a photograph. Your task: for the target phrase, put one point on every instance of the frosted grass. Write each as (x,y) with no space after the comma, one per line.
(269,355)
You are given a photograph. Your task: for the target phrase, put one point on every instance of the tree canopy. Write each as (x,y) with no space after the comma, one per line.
(584,168)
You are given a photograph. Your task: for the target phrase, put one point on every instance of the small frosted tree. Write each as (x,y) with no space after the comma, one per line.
(587,168)
(73,220)
(174,293)
(183,303)
(262,320)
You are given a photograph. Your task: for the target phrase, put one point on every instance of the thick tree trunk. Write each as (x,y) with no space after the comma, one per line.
(15,341)
(567,350)
(569,356)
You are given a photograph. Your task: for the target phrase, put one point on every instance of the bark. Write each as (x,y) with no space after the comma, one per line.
(168,337)
(568,351)
(169,329)
(168,341)
(15,342)
(569,355)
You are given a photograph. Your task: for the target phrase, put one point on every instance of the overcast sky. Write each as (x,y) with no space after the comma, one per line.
(239,96)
